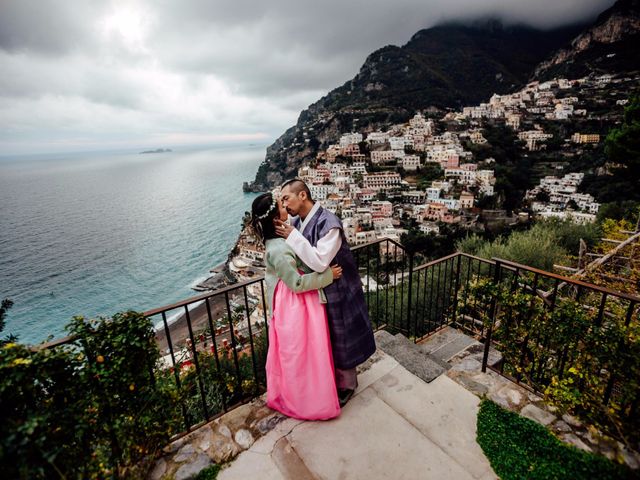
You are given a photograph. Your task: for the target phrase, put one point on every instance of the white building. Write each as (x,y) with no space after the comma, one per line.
(384,156)
(397,143)
(350,138)
(411,163)
(429,227)
(381,180)
(320,192)
(375,138)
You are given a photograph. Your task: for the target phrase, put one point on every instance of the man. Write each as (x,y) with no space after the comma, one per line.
(318,240)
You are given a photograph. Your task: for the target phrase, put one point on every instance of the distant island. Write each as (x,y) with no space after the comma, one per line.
(157,150)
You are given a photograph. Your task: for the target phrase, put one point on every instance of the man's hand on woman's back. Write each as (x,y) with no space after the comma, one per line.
(337,271)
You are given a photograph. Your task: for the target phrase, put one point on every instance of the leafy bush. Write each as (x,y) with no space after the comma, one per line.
(564,352)
(91,408)
(537,247)
(546,243)
(519,448)
(209,473)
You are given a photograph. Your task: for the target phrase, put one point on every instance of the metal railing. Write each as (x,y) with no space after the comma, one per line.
(214,345)
(417,300)
(564,324)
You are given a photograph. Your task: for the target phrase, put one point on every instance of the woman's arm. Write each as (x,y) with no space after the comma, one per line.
(284,262)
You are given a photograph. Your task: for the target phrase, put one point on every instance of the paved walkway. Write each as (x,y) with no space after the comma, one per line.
(395,427)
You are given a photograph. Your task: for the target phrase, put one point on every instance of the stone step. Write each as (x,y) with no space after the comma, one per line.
(289,463)
(409,356)
(441,338)
(452,348)
(421,349)
(476,352)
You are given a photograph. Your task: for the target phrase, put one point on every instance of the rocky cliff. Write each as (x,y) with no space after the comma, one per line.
(447,66)
(610,45)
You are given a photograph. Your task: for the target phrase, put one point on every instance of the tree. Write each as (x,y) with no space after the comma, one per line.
(626,209)
(6,305)
(429,172)
(543,196)
(417,242)
(622,145)
(381,196)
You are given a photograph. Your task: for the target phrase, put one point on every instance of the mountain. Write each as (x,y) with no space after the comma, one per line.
(450,66)
(610,45)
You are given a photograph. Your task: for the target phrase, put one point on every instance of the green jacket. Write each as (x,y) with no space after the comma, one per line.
(282,264)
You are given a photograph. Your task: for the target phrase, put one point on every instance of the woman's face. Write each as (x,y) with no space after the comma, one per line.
(283,211)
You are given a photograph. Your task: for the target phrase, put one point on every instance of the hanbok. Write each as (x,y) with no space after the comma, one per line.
(300,374)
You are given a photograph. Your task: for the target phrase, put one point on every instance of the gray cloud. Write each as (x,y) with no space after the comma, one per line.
(91,71)
(46,27)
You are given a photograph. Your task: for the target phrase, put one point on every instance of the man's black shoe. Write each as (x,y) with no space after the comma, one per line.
(344,396)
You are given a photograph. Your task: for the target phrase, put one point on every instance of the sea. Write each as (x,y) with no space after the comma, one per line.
(93,234)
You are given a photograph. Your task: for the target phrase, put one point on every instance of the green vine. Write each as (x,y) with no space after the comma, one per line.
(564,349)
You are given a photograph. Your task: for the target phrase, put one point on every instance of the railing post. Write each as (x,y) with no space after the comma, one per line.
(492,316)
(410,290)
(457,287)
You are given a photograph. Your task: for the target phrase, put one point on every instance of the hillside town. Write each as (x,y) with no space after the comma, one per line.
(373,181)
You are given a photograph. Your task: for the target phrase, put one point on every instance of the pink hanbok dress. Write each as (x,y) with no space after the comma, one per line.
(300,375)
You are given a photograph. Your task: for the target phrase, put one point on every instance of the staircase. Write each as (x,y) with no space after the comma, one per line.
(432,357)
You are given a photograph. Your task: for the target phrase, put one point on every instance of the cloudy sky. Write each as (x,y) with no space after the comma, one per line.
(89,74)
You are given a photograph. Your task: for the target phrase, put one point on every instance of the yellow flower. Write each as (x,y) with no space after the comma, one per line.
(10,345)
(100,359)
(132,387)
(21,361)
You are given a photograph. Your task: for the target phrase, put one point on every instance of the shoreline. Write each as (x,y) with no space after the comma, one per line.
(178,328)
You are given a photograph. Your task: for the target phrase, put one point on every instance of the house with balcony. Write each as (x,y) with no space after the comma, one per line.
(411,163)
(377,138)
(381,209)
(381,181)
(380,157)
(350,139)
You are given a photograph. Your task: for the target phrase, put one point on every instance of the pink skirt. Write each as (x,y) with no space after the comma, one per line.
(300,376)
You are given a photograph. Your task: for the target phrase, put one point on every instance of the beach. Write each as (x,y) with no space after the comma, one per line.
(179,329)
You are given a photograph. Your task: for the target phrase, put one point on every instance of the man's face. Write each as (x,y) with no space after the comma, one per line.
(291,201)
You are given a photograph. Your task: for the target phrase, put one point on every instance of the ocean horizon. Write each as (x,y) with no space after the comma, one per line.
(96,233)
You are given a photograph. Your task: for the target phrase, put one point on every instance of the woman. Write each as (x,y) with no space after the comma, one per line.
(300,379)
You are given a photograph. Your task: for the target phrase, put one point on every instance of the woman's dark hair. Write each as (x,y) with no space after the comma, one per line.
(264,226)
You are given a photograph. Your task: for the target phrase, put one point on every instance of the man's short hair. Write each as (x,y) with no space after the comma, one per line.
(296,186)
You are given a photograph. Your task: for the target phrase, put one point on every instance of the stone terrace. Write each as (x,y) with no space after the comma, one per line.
(413,416)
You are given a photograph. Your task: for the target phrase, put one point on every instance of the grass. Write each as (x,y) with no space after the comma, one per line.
(209,473)
(519,448)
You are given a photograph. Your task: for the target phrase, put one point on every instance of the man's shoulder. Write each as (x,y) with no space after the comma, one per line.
(330,219)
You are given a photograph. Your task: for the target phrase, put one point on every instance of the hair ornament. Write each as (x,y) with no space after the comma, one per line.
(274,202)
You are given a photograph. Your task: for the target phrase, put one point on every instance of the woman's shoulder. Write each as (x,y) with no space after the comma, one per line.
(276,245)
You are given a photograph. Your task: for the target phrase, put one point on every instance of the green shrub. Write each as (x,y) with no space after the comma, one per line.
(209,473)
(519,448)
(546,243)
(565,352)
(88,409)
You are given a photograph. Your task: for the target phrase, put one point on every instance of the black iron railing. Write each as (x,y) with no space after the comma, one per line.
(214,345)
(417,300)
(558,324)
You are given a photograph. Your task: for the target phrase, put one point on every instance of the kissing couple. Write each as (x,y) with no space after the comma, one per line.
(319,328)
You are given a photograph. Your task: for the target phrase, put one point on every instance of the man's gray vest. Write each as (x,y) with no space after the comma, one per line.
(352,338)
